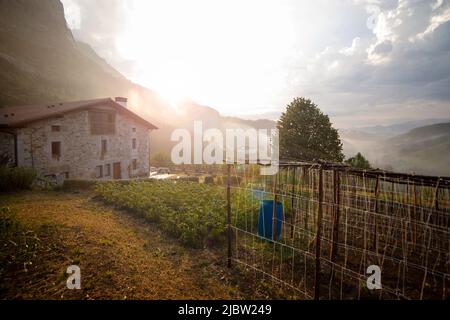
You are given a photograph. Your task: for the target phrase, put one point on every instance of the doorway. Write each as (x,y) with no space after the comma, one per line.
(117,172)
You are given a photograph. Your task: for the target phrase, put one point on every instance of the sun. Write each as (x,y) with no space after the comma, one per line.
(208,51)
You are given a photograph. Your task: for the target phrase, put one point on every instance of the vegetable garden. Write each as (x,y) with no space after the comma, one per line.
(335,223)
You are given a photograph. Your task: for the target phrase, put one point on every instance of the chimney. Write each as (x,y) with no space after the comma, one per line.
(122,101)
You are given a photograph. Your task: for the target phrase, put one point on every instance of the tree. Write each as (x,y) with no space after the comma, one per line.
(307,134)
(359,161)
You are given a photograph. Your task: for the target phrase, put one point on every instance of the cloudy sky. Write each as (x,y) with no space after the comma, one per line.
(363,61)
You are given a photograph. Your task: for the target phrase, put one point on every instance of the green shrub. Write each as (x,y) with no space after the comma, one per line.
(16,178)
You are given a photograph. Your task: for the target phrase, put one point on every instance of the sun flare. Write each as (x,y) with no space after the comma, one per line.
(206,50)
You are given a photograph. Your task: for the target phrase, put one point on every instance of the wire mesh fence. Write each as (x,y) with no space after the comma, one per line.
(335,223)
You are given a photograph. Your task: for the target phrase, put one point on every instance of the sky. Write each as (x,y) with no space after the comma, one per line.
(364,62)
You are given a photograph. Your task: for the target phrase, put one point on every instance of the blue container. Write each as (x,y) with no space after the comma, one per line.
(265,221)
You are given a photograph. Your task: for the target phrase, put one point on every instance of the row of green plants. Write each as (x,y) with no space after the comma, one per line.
(192,212)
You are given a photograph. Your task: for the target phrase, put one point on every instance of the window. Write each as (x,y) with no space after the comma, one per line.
(134,129)
(134,143)
(107,170)
(99,171)
(56,150)
(135,165)
(104,147)
(56,128)
(102,122)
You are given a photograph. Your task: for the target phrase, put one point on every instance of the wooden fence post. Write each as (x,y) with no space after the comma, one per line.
(229,213)
(414,214)
(435,220)
(318,236)
(337,200)
(293,213)
(377,192)
(275,201)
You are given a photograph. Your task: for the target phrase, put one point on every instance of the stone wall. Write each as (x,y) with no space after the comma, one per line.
(80,150)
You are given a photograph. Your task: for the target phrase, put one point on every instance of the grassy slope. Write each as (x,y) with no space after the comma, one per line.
(120,256)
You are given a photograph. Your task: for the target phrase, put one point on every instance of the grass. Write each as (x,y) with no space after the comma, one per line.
(120,254)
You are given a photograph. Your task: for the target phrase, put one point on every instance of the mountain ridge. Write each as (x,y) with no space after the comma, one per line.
(41,62)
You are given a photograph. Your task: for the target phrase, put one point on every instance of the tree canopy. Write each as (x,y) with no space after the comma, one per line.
(359,161)
(307,134)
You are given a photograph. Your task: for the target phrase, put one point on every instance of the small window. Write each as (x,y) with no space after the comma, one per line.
(56,150)
(104,146)
(134,143)
(99,171)
(56,128)
(134,129)
(135,165)
(107,170)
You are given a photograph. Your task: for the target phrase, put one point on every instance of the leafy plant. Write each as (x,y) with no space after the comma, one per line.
(16,178)
(194,213)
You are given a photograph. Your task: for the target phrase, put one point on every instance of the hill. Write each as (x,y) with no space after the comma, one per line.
(42,62)
(423,150)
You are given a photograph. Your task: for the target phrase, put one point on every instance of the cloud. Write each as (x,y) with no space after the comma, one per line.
(353,57)
(405,64)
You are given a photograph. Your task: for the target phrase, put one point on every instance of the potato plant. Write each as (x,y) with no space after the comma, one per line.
(194,213)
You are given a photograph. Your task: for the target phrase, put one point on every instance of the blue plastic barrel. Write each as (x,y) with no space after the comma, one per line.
(265,221)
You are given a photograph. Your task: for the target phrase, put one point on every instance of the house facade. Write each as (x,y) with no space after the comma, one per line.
(94,139)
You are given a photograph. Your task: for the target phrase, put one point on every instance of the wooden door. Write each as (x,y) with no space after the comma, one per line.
(117,172)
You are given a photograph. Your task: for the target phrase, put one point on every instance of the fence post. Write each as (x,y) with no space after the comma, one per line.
(275,201)
(435,220)
(377,192)
(414,214)
(318,236)
(293,213)
(337,200)
(229,213)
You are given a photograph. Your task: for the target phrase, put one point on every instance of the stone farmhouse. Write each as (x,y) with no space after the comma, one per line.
(93,139)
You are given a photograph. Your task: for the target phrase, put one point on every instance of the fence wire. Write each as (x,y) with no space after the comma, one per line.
(337,222)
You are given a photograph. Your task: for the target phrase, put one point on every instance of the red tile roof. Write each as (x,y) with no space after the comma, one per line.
(18,116)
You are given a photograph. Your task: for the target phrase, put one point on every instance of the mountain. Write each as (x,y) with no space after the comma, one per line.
(399,128)
(423,150)
(41,62)
(355,141)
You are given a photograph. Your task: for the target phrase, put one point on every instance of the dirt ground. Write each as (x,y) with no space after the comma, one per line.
(120,256)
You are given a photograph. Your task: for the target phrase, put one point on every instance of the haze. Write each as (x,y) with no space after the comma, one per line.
(363,62)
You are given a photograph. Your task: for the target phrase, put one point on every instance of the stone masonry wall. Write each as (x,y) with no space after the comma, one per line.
(80,150)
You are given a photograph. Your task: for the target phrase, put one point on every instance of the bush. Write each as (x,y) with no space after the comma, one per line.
(16,178)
